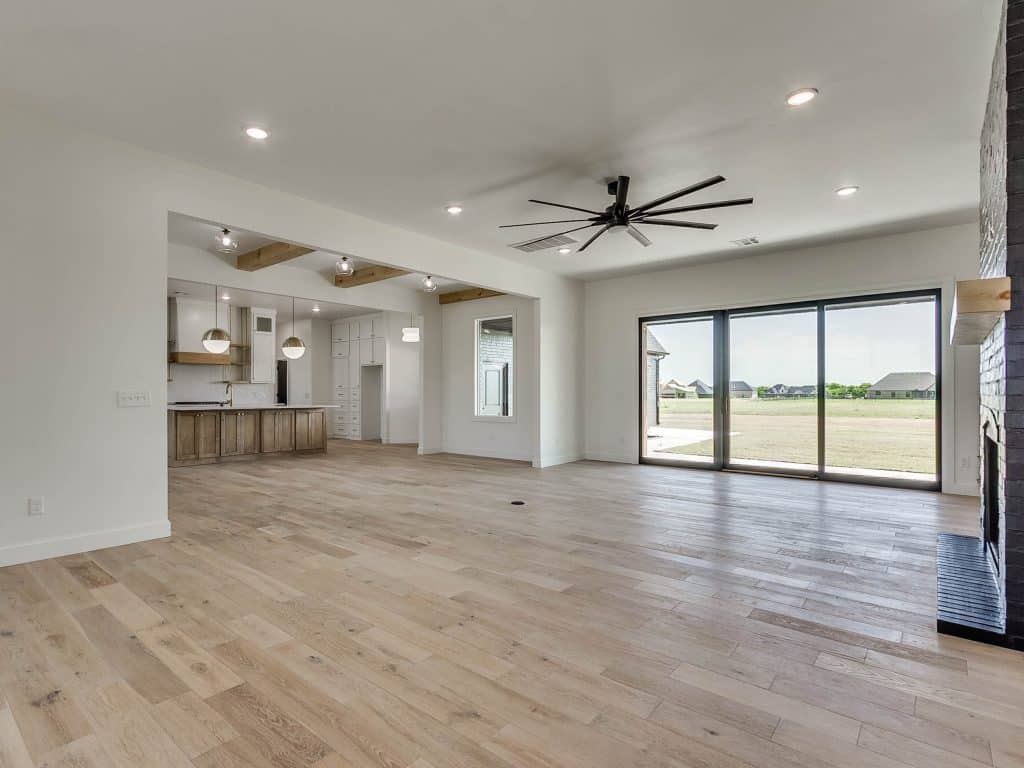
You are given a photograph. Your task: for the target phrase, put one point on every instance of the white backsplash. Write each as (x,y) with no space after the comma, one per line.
(202,383)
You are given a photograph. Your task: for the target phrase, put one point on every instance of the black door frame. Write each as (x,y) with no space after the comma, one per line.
(720,406)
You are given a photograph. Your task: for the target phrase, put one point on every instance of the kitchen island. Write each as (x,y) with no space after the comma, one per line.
(207,434)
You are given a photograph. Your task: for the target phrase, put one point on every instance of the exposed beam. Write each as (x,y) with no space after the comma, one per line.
(269,255)
(366,275)
(469,294)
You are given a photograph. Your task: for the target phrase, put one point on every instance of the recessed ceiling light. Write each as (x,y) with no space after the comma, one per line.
(316,307)
(454,210)
(848,190)
(563,250)
(225,297)
(255,132)
(801,97)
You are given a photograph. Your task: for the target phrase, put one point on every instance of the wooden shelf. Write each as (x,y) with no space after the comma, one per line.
(977,307)
(199,358)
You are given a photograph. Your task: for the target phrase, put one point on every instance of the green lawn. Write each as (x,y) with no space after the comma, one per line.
(895,435)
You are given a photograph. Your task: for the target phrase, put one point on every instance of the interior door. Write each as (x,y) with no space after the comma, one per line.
(494,397)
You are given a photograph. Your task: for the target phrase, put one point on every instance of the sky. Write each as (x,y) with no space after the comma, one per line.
(862,344)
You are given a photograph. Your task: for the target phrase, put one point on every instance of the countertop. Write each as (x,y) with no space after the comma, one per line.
(172,407)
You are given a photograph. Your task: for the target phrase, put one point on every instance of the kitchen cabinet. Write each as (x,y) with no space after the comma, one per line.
(196,436)
(366,328)
(277,431)
(310,430)
(239,433)
(339,331)
(339,349)
(259,329)
(378,350)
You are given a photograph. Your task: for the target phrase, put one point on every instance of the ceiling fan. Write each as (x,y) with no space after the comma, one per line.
(619,214)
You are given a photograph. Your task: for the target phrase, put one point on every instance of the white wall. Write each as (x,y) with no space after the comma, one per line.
(85,266)
(461,430)
(929,259)
(402,382)
(320,361)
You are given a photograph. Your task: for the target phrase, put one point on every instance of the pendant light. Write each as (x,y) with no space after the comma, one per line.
(293,347)
(412,332)
(343,266)
(216,340)
(224,242)
(428,284)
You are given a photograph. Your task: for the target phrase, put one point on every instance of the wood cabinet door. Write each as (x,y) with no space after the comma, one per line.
(248,432)
(310,430)
(268,432)
(208,435)
(285,430)
(229,435)
(185,445)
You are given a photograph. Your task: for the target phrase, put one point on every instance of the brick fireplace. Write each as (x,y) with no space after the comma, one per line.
(1001,525)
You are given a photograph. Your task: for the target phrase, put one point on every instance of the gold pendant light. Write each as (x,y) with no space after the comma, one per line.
(216,340)
(293,347)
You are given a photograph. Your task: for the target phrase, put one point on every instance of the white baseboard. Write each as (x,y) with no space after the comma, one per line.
(554,461)
(614,458)
(86,542)
(402,440)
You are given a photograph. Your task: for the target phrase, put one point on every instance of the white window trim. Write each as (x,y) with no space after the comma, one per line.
(513,380)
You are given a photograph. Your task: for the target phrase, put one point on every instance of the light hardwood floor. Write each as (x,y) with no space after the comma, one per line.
(369,607)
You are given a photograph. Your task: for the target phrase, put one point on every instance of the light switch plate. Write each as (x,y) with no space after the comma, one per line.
(36,506)
(133,398)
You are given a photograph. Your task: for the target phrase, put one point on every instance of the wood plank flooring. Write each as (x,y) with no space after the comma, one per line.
(369,607)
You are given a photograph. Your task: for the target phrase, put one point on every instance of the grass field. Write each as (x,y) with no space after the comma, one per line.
(894,435)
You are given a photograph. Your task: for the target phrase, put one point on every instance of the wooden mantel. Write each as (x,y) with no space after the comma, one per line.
(977,307)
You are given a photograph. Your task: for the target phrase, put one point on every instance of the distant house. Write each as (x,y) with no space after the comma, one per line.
(676,389)
(904,385)
(702,389)
(655,354)
(742,389)
(780,391)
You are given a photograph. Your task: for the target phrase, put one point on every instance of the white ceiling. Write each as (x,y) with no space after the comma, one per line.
(200,234)
(283,304)
(393,109)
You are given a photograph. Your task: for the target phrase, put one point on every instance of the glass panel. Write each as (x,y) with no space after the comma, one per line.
(880,407)
(773,374)
(678,407)
(495,354)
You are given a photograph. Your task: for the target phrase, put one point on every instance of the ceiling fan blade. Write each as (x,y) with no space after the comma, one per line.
(687,224)
(596,235)
(637,235)
(698,207)
(535,223)
(570,207)
(621,190)
(680,193)
(556,234)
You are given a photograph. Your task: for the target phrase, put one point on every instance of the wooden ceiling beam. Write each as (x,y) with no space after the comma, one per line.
(468,294)
(366,275)
(269,255)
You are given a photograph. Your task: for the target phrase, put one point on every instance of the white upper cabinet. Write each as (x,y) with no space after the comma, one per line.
(339,349)
(263,345)
(378,350)
(339,331)
(366,328)
(366,351)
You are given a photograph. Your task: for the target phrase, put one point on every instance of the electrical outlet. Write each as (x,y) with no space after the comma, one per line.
(36,506)
(129,398)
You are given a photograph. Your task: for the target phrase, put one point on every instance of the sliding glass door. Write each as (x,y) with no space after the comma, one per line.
(844,389)
(678,411)
(773,397)
(881,414)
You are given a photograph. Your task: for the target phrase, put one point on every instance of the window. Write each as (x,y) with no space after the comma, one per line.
(495,367)
(845,388)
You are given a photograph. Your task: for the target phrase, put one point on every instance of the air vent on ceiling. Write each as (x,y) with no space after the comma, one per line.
(542,245)
(746,241)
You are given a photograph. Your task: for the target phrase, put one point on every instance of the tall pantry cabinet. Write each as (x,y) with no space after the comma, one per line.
(355,343)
